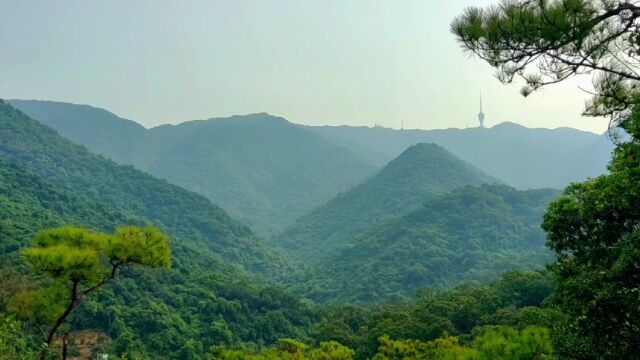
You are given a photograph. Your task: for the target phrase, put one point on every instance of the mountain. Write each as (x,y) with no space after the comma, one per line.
(472,234)
(206,298)
(420,173)
(523,157)
(185,215)
(262,169)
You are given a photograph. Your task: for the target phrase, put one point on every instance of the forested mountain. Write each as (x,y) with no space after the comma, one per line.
(28,203)
(523,157)
(183,214)
(474,233)
(420,173)
(106,133)
(46,181)
(260,168)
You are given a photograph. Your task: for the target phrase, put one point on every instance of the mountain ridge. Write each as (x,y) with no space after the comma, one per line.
(261,168)
(554,158)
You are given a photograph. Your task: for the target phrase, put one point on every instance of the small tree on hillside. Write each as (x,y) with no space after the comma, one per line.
(79,262)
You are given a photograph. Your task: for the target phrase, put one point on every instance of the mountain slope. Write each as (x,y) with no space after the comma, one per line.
(105,134)
(553,157)
(185,215)
(205,299)
(27,204)
(145,312)
(260,168)
(420,173)
(471,234)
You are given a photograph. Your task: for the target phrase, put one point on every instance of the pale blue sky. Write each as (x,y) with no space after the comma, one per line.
(314,62)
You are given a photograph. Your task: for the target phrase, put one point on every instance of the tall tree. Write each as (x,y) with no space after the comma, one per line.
(79,262)
(594,228)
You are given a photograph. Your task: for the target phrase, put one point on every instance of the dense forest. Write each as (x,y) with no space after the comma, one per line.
(47,182)
(420,173)
(472,234)
(204,299)
(428,257)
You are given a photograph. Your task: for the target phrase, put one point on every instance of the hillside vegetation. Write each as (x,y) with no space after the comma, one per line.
(261,168)
(472,234)
(420,173)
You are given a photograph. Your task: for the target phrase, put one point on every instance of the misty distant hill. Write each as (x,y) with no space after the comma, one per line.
(99,130)
(420,173)
(259,167)
(523,157)
(47,181)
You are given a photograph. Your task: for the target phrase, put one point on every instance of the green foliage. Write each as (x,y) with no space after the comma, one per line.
(331,350)
(287,349)
(422,172)
(27,203)
(459,311)
(15,342)
(470,234)
(545,42)
(445,348)
(492,343)
(84,256)
(593,228)
(81,261)
(504,343)
(42,305)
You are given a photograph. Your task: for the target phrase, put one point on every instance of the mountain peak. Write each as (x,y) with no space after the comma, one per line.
(432,165)
(423,150)
(422,172)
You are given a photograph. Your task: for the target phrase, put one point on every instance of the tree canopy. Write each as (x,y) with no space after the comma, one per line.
(80,261)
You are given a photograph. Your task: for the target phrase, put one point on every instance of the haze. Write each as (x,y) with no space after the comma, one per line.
(313,62)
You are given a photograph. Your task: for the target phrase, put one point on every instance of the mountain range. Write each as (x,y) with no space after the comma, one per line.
(523,157)
(269,172)
(349,222)
(262,169)
(216,291)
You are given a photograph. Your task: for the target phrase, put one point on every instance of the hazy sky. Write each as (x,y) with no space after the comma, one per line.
(313,62)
